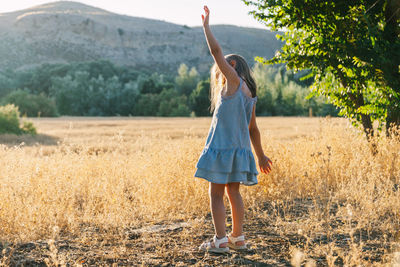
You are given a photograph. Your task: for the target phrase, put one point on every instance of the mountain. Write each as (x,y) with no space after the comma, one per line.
(67,31)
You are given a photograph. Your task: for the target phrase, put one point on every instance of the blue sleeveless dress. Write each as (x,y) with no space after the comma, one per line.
(227,155)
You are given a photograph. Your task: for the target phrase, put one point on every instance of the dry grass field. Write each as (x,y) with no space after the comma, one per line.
(121,191)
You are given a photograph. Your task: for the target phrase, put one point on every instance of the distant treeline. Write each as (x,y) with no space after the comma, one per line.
(100,88)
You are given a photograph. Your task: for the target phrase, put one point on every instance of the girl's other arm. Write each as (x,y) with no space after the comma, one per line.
(263,161)
(227,70)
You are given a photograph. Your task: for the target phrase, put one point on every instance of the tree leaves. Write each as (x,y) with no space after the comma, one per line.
(346,45)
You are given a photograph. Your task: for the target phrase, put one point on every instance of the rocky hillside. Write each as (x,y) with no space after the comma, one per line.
(68,31)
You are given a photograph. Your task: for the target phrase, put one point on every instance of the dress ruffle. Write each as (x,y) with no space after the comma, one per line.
(245,178)
(227,160)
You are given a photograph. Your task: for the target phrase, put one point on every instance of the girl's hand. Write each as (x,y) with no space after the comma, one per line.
(205,17)
(265,164)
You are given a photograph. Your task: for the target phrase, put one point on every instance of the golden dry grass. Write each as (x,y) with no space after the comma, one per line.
(96,181)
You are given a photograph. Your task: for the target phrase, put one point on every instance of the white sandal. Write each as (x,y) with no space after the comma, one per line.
(232,242)
(206,246)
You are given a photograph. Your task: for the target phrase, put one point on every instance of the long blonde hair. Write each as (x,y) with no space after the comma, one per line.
(218,80)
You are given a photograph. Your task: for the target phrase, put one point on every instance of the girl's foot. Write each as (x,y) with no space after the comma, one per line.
(236,242)
(216,245)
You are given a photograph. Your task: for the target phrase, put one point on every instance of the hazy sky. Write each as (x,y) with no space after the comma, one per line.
(177,11)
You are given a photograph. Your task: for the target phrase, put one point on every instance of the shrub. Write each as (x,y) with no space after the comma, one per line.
(10,121)
(31,105)
(28,128)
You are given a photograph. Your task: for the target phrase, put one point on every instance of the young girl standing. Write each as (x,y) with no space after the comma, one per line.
(227,160)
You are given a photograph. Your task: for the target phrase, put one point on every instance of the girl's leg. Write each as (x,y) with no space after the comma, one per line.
(237,209)
(216,192)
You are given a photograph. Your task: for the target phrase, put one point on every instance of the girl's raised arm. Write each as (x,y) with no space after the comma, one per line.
(227,70)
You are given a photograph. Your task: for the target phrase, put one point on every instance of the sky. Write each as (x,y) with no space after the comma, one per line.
(184,12)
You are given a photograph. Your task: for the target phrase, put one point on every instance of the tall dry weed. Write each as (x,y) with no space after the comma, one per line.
(135,173)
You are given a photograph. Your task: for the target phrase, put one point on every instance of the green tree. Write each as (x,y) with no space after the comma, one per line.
(199,100)
(280,94)
(72,94)
(186,80)
(266,93)
(7,82)
(352,48)
(40,78)
(31,105)
(129,95)
(172,104)
(147,105)
(84,96)
(152,84)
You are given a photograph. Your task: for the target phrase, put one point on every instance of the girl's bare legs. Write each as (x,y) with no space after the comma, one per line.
(237,209)
(217,192)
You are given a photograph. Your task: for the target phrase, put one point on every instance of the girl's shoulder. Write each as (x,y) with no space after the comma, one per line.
(242,88)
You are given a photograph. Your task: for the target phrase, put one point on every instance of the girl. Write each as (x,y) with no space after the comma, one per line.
(227,160)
